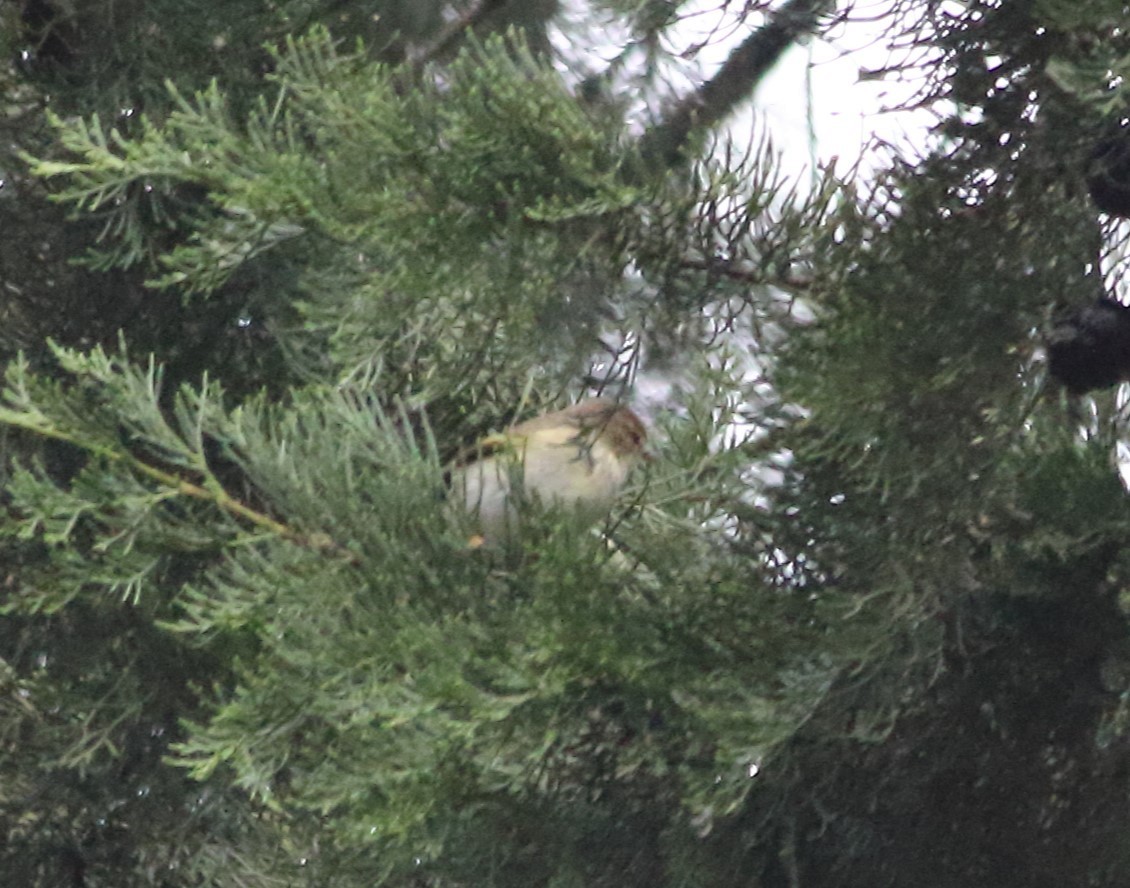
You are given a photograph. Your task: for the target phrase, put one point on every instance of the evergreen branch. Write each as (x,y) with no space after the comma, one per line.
(214,493)
(738,76)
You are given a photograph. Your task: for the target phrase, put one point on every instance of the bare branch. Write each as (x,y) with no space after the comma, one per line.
(455,31)
(663,143)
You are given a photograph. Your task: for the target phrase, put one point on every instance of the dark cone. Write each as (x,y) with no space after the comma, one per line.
(1091,349)
(1108,173)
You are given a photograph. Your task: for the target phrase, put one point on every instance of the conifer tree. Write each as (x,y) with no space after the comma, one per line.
(246,643)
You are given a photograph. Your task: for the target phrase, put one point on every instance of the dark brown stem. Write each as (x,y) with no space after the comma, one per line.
(663,144)
(725,269)
(454,32)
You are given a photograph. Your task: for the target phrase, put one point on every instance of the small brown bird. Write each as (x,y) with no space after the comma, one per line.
(578,458)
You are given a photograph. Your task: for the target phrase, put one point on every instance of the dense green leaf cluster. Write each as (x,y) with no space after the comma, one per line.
(376,673)
(396,703)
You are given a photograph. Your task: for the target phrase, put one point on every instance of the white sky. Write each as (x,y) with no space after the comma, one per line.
(821,79)
(816,104)
(823,84)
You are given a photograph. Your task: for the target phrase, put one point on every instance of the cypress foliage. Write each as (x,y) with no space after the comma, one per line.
(349,692)
(862,622)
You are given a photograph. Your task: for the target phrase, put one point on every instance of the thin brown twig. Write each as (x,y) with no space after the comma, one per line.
(722,268)
(450,35)
(213,493)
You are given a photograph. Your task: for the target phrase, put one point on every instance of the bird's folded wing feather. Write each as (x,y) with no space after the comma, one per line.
(519,440)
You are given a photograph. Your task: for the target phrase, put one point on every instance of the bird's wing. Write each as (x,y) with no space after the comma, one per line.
(492,444)
(498,444)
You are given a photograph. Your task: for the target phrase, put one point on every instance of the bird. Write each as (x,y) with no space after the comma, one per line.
(576,459)
(1091,348)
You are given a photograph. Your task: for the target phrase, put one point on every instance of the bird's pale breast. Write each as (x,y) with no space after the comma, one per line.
(550,466)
